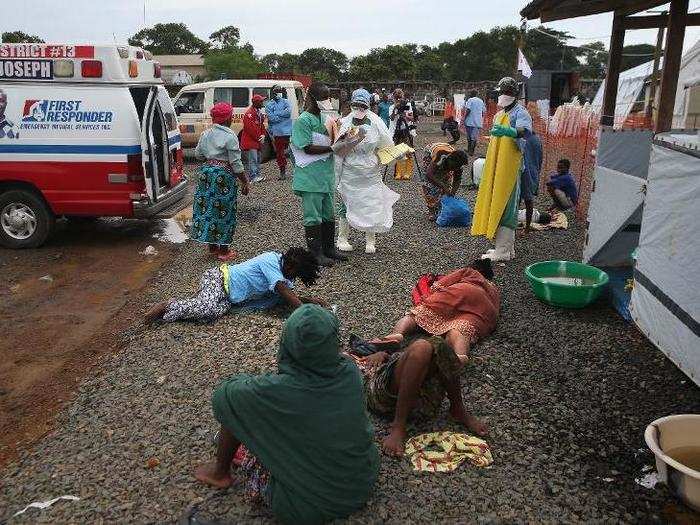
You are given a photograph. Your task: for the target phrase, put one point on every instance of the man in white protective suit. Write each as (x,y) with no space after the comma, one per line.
(366,201)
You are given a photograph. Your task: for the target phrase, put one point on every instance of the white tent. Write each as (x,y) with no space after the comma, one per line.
(632,82)
(629,87)
(617,199)
(665,300)
(688,77)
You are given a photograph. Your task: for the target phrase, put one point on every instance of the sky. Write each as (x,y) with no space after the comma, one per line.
(292,26)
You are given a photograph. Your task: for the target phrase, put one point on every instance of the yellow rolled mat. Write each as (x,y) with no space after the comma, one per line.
(497,181)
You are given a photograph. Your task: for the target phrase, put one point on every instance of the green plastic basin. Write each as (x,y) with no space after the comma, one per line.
(566,283)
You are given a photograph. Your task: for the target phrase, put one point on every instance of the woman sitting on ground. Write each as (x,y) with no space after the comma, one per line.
(462,306)
(308,446)
(258,283)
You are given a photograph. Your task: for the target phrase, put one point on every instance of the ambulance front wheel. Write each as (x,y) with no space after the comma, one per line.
(25,219)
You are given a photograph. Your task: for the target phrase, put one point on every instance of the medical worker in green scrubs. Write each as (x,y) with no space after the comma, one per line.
(314,180)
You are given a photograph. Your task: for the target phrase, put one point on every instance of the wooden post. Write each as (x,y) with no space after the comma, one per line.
(672,64)
(612,76)
(655,72)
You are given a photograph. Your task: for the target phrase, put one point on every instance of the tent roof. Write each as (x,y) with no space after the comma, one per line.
(548,10)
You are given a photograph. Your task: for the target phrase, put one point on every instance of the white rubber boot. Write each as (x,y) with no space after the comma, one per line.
(370,246)
(343,244)
(505,246)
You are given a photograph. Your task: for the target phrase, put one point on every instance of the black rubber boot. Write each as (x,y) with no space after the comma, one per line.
(315,244)
(328,236)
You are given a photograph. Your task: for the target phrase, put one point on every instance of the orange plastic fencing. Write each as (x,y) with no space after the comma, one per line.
(573,136)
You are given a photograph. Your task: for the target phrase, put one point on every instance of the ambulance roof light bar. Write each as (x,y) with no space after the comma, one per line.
(91,68)
(63,68)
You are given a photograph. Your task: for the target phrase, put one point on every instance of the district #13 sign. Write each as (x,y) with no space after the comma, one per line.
(33,61)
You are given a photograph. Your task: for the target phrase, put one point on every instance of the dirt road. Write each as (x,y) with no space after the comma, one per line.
(62,308)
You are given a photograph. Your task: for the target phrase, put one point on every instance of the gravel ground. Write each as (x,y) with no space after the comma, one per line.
(567,394)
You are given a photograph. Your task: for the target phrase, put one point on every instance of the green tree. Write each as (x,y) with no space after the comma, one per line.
(386,63)
(481,56)
(232,63)
(429,65)
(225,38)
(323,63)
(284,63)
(551,50)
(595,60)
(169,39)
(18,37)
(636,54)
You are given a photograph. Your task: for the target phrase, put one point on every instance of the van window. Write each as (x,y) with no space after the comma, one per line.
(265,92)
(237,96)
(190,102)
(300,97)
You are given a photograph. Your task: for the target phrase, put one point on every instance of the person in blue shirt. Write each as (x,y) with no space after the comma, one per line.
(279,119)
(530,174)
(562,187)
(383,109)
(474,109)
(259,283)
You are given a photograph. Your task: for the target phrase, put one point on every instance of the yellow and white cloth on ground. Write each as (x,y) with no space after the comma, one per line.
(390,154)
(502,168)
(456,448)
(559,222)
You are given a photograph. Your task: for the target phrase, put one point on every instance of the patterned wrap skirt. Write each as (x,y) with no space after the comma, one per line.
(214,206)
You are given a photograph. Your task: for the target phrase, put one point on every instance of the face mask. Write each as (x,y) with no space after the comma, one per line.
(278,96)
(325,105)
(505,100)
(359,114)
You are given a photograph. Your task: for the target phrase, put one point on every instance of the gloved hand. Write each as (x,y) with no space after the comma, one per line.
(499,130)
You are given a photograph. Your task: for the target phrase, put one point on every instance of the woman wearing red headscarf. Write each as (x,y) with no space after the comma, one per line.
(214,207)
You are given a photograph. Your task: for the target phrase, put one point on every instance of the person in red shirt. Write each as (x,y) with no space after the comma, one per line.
(253,136)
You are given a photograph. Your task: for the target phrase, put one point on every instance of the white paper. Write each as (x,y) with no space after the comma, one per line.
(303,159)
(44,504)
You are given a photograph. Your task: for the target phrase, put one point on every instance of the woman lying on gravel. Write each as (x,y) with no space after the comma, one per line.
(462,307)
(309,449)
(258,283)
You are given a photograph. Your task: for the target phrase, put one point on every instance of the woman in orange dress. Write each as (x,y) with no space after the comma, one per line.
(462,307)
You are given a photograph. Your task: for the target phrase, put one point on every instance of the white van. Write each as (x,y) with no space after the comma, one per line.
(84,131)
(193,102)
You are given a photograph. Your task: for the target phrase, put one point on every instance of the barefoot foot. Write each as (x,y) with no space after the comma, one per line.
(469,421)
(208,474)
(156,312)
(394,443)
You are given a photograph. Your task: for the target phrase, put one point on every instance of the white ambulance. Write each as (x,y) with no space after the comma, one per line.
(84,131)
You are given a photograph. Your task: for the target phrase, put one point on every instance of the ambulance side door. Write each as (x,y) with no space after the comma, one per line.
(148,146)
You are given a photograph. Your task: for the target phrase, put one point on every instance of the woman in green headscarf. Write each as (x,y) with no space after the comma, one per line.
(309,447)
